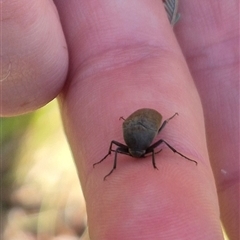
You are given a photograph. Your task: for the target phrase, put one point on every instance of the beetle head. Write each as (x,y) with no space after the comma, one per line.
(136,153)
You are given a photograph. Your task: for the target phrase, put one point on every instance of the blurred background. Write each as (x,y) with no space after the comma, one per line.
(41,197)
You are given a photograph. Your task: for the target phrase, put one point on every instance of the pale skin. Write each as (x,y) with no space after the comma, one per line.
(124,55)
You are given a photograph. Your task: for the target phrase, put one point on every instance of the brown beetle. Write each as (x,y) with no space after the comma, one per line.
(139,130)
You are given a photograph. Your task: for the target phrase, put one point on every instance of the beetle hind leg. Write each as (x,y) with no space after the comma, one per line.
(175,151)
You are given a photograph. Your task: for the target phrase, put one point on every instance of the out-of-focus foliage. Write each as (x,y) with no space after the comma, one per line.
(40,193)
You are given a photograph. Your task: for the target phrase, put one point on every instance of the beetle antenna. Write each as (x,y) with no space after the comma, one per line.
(166,121)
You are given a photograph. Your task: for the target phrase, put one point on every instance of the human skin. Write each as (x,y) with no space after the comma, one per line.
(107,59)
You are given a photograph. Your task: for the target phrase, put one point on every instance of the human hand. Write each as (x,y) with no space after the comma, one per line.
(124,56)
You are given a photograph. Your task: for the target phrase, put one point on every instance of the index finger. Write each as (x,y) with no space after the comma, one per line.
(123,57)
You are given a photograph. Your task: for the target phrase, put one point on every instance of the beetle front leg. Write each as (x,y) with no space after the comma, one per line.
(153,159)
(114,165)
(109,152)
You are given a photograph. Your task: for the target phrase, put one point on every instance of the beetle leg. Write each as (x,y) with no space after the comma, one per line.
(101,160)
(114,165)
(123,151)
(147,152)
(153,159)
(175,151)
(111,150)
(152,151)
(156,144)
(120,145)
(166,121)
(118,150)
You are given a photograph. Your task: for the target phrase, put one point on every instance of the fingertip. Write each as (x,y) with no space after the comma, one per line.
(37,52)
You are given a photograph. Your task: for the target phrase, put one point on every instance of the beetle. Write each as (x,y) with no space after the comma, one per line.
(139,130)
